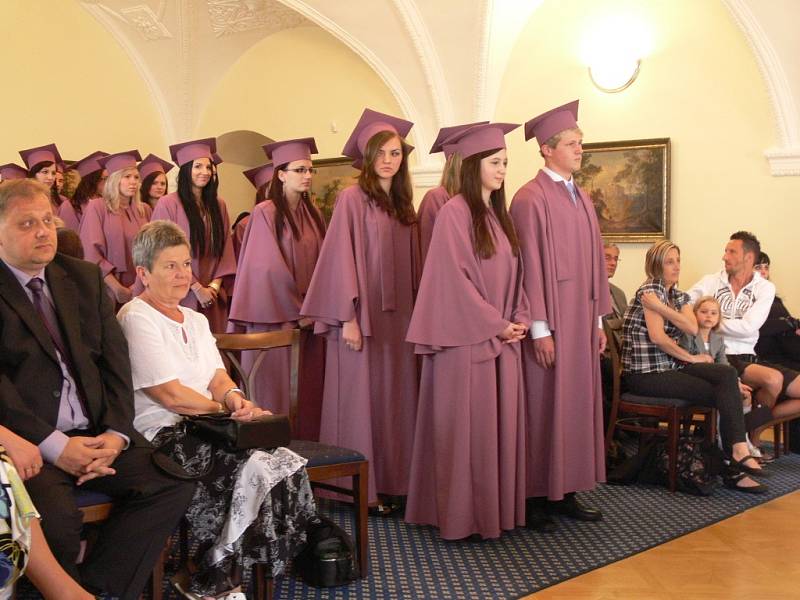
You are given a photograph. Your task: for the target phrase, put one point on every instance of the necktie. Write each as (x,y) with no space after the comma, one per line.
(49,319)
(571,190)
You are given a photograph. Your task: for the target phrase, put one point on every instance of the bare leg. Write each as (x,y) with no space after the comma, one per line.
(46,574)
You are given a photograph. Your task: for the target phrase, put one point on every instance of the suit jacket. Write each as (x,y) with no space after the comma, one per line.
(30,376)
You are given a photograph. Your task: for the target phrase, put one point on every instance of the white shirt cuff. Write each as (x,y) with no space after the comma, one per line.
(540,329)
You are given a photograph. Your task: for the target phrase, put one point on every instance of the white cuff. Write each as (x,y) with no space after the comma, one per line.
(540,329)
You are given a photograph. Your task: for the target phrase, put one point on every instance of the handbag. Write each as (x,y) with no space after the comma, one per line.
(265,431)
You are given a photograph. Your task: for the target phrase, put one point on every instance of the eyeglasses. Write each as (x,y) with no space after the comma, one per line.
(611,258)
(303,170)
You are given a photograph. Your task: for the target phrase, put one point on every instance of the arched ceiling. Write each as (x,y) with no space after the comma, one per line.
(442,59)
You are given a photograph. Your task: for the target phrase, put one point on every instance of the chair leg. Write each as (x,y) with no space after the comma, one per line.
(673,428)
(786,433)
(262,584)
(776,434)
(360,490)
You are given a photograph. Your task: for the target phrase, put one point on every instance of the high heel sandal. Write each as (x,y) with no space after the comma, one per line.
(731,482)
(738,465)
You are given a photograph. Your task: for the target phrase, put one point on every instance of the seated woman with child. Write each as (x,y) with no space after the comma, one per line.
(249,506)
(654,364)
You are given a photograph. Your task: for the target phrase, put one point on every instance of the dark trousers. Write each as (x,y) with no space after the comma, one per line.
(704,384)
(147,508)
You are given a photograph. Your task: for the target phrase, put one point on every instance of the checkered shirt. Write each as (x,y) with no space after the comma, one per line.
(639,354)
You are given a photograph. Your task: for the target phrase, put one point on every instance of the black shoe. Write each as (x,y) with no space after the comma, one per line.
(738,466)
(732,484)
(572,508)
(536,517)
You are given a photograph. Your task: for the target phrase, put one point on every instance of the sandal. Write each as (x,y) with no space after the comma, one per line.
(180,581)
(731,484)
(383,510)
(738,465)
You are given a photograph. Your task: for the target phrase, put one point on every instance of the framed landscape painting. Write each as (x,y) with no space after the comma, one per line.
(333,175)
(628,182)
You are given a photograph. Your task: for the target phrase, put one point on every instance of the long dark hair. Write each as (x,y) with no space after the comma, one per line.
(197,228)
(147,183)
(282,213)
(86,190)
(399,202)
(54,197)
(482,239)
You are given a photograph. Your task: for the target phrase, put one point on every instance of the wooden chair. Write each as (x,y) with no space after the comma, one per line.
(96,508)
(639,409)
(324,462)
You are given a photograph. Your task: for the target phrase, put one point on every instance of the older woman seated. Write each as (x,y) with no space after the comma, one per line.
(653,364)
(252,506)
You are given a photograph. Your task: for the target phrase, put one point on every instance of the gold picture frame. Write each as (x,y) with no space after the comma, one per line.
(629,184)
(333,175)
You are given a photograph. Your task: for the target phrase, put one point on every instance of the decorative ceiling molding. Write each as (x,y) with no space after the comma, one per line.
(429,59)
(784,160)
(186,66)
(422,134)
(228,17)
(146,22)
(111,20)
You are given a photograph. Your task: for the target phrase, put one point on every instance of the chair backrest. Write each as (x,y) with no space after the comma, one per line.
(231,345)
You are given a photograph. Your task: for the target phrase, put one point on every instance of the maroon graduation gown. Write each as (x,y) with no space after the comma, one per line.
(107,238)
(566,284)
(468,465)
(208,267)
(367,269)
(431,204)
(272,279)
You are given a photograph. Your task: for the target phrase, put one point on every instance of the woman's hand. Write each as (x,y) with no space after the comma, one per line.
(513,333)
(652,302)
(305,323)
(25,456)
(246,410)
(206,296)
(701,358)
(351,334)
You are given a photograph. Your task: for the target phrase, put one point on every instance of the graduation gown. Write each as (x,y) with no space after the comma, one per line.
(430,206)
(468,465)
(368,270)
(208,267)
(272,279)
(566,283)
(107,238)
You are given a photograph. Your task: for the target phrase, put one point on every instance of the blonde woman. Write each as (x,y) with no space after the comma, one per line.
(110,223)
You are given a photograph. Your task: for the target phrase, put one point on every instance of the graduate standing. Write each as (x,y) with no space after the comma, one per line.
(203,217)
(449,186)
(361,297)
(111,222)
(279,251)
(566,283)
(468,466)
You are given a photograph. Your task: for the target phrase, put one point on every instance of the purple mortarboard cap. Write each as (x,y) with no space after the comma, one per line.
(216,159)
(121,160)
(285,152)
(89,164)
(60,166)
(552,122)
(152,164)
(187,151)
(12,171)
(370,123)
(34,156)
(448,132)
(479,138)
(258,176)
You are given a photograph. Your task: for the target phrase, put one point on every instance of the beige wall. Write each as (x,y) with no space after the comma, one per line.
(65,80)
(701,87)
(330,84)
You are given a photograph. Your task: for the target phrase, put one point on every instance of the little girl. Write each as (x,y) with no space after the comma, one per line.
(708,340)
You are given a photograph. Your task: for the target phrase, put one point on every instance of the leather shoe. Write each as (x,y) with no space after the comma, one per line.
(536,517)
(571,507)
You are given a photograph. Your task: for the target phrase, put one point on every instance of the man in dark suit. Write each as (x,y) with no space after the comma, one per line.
(614,321)
(65,386)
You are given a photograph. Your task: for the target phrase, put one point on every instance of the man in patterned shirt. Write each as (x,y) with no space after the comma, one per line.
(745,298)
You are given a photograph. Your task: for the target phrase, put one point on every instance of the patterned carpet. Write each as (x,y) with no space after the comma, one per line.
(412,563)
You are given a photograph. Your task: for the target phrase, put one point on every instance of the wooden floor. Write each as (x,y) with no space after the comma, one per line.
(752,556)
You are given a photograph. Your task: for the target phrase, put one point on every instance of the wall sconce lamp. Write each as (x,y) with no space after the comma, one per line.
(613,48)
(614,75)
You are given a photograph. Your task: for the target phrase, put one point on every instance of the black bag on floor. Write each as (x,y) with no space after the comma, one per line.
(328,558)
